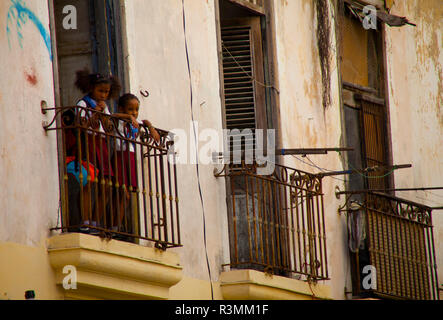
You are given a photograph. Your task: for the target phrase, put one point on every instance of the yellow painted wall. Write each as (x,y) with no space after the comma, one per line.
(25,268)
(195,289)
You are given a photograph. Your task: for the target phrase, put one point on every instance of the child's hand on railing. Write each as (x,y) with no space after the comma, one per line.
(134,122)
(152,130)
(101,105)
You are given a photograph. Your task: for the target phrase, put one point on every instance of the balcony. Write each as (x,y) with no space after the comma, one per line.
(117,183)
(276,222)
(124,187)
(395,237)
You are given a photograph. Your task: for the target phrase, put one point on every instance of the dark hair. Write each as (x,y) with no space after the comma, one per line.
(124,100)
(86,82)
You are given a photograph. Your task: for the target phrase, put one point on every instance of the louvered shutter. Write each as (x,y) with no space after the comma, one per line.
(238,74)
(243,74)
(239,86)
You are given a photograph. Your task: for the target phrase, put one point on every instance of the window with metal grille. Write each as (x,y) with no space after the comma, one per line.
(243,67)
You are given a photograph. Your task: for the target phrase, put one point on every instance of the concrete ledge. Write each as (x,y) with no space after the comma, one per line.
(255,285)
(113,269)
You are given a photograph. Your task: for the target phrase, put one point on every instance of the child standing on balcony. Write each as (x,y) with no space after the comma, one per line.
(95,144)
(126,172)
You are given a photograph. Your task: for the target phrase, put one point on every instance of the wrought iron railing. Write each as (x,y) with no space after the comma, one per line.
(276,222)
(400,247)
(116,182)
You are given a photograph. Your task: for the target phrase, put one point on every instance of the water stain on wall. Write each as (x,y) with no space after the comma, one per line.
(427,37)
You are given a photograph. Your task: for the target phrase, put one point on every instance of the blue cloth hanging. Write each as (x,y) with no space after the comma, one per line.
(74,170)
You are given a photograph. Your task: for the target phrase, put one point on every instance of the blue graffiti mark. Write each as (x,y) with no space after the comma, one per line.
(22,14)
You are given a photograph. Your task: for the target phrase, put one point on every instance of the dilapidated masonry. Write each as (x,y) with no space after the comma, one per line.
(347,92)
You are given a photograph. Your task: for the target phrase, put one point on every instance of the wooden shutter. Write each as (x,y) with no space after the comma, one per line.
(373,126)
(243,75)
(238,73)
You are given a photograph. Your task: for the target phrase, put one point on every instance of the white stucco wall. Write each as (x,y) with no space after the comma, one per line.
(415,69)
(28,156)
(306,124)
(157,63)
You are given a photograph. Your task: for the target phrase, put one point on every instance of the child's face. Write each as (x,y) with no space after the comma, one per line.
(100,93)
(132,107)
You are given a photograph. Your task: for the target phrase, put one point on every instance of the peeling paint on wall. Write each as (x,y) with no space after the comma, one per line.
(21,14)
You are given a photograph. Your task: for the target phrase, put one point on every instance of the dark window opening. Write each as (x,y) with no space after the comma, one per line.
(95,44)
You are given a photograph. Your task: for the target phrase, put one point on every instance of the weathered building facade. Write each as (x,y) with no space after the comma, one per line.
(311,70)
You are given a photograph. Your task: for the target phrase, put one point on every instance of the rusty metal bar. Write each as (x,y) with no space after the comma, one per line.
(176,202)
(65,194)
(247,217)
(157,195)
(271,223)
(285,228)
(432,260)
(260,219)
(143,185)
(171,204)
(254,219)
(110,184)
(151,193)
(306,151)
(163,197)
(386,190)
(292,227)
(367,170)
(299,243)
(117,192)
(96,181)
(234,222)
(129,187)
(325,258)
(282,152)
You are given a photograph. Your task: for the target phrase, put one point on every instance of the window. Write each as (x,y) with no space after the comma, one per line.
(391,234)
(362,70)
(244,104)
(95,44)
